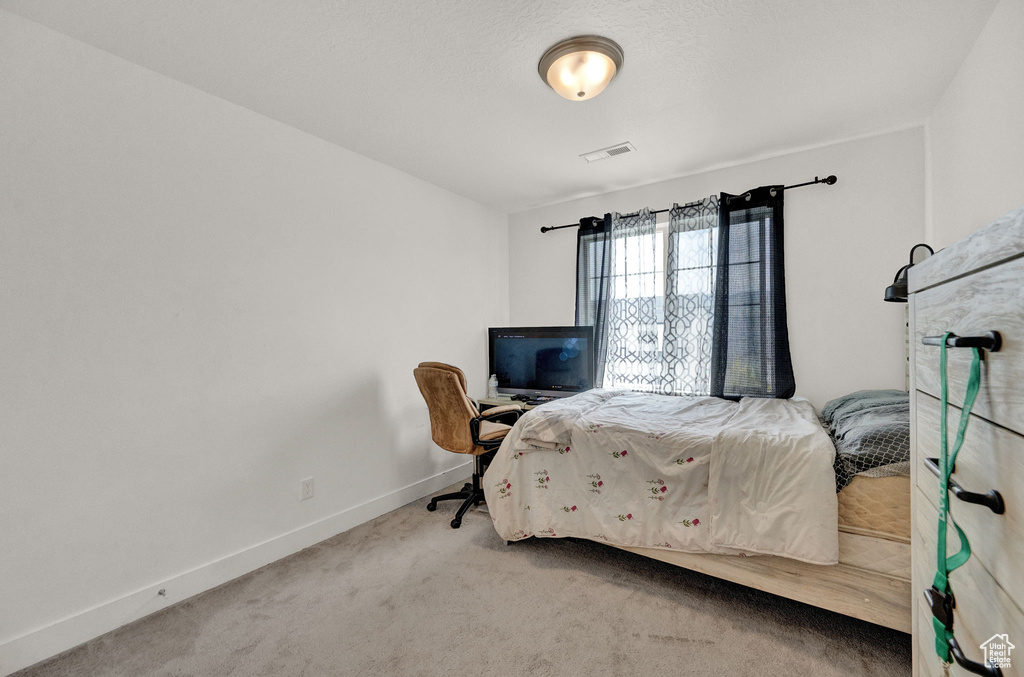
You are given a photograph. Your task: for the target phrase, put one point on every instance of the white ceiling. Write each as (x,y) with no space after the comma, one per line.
(448,91)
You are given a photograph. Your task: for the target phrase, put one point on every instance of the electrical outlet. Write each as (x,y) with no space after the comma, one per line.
(307,488)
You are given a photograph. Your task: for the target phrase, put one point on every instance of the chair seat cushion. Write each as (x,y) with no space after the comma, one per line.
(493,431)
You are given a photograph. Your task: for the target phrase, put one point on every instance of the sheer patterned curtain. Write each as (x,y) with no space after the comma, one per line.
(634,305)
(690,297)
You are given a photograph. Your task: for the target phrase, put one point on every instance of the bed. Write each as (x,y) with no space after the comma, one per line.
(744,491)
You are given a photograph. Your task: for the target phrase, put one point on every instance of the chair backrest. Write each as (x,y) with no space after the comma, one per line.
(444,389)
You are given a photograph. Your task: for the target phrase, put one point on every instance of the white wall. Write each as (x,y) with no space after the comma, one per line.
(844,243)
(976,133)
(200,307)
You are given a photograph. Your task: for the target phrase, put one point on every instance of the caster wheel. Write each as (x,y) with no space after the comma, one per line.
(456,524)
(431,507)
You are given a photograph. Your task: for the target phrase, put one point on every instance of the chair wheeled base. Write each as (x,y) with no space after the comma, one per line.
(471,494)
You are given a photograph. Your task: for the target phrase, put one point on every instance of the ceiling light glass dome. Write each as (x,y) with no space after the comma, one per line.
(580,68)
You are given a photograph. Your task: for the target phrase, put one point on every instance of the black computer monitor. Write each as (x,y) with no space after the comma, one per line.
(542,361)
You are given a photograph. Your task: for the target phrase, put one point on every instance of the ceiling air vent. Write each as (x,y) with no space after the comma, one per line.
(611,151)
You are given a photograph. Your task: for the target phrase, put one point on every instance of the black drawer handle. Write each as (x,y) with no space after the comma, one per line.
(991,341)
(992,500)
(971,666)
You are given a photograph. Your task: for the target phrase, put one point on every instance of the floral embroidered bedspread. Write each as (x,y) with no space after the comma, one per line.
(696,474)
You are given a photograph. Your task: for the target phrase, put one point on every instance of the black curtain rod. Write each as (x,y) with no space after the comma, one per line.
(828,181)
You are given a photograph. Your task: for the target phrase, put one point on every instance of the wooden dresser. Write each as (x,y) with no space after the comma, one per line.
(971,288)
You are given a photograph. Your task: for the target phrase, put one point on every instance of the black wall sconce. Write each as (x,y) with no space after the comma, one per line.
(897,291)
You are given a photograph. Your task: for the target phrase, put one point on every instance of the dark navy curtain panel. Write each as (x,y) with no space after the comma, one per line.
(750,346)
(593,273)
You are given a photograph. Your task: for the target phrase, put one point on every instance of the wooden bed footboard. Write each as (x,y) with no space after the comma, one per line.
(848,590)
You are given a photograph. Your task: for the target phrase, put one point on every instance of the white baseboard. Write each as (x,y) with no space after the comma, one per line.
(69,632)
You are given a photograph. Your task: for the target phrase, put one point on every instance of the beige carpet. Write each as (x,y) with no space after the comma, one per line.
(407,595)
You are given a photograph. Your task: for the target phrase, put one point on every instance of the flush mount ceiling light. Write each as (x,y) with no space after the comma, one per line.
(580,68)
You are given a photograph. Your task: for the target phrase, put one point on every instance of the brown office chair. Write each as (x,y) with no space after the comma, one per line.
(457,425)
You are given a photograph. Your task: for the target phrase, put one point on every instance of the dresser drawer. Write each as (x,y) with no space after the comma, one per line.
(927,662)
(991,458)
(989,300)
(983,608)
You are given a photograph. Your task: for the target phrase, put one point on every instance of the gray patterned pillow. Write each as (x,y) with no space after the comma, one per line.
(853,403)
(870,428)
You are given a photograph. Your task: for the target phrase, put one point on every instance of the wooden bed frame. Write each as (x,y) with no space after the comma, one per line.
(848,590)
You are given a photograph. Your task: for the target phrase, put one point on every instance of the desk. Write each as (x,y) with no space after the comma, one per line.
(489,402)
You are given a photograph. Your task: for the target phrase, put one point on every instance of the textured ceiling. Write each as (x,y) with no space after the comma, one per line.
(448,91)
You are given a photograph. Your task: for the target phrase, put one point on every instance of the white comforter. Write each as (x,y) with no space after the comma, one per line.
(682,473)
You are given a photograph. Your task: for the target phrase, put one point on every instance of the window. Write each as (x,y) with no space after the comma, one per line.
(672,316)
(651,299)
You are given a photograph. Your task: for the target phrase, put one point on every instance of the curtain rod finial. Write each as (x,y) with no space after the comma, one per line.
(830,179)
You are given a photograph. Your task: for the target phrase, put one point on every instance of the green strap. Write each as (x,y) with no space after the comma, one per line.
(947,461)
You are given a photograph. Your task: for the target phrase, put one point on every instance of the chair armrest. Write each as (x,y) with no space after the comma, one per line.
(503,409)
(507,414)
